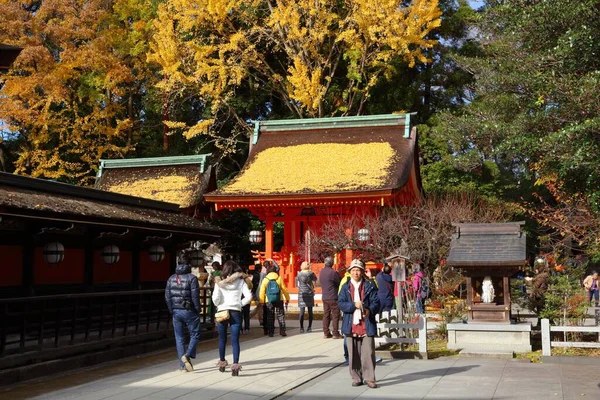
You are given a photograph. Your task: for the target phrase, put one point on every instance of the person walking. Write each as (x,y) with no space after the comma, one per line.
(590,283)
(260,308)
(305,281)
(385,288)
(330,281)
(272,294)
(182,295)
(246,308)
(359,303)
(416,283)
(227,296)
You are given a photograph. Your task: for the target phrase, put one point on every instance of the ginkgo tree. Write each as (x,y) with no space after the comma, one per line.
(316,57)
(76,93)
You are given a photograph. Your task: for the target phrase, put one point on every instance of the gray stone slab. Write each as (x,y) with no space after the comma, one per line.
(307,367)
(495,327)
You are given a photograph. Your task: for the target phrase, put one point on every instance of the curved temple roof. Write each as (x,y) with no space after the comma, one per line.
(326,156)
(494,244)
(179,180)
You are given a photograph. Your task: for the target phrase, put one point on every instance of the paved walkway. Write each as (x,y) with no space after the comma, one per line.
(306,366)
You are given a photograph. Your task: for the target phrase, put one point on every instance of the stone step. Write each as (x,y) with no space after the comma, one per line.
(472,353)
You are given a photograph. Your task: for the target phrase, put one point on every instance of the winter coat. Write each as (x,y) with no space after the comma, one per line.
(370,301)
(185,294)
(261,277)
(262,296)
(385,291)
(417,283)
(330,282)
(306,293)
(228,293)
(588,282)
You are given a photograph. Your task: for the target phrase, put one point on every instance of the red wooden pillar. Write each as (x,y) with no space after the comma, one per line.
(269,238)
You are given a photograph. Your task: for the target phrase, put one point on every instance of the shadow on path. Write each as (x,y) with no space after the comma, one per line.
(415,376)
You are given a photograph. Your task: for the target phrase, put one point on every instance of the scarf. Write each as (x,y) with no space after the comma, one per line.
(357,315)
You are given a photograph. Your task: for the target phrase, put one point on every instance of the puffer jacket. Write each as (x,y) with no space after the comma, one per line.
(370,302)
(228,292)
(306,293)
(385,291)
(272,276)
(184,295)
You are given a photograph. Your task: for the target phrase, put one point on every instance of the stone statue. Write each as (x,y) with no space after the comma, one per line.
(487,290)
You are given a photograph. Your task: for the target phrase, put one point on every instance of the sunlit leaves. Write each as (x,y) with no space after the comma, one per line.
(293,50)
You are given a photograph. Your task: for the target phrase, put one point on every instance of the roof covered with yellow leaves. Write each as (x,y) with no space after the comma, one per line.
(178,180)
(324,156)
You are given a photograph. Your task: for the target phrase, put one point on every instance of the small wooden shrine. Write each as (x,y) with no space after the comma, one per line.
(304,173)
(488,254)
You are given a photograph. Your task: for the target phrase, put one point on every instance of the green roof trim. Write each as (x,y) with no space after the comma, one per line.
(335,122)
(154,162)
(407,126)
(255,133)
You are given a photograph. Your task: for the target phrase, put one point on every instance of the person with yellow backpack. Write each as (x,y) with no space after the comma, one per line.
(272,295)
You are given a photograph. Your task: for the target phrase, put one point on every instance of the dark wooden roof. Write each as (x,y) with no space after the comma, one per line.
(37,198)
(499,244)
(8,54)
(326,156)
(181,180)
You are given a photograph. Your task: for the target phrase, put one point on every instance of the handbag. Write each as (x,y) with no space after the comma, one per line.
(222,316)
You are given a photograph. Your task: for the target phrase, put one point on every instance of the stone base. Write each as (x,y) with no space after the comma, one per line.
(496,338)
(486,354)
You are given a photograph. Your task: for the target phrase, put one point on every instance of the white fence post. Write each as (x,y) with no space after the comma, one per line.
(422,334)
(546,348)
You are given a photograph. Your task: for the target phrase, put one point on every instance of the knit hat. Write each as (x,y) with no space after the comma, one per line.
(356,263)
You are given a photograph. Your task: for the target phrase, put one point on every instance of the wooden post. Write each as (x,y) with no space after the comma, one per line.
(506,283)
(469,298)
(400,298)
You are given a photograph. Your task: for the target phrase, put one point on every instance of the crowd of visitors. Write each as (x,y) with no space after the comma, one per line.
(356,298)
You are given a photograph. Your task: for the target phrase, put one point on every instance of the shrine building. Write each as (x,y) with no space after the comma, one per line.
(305,172)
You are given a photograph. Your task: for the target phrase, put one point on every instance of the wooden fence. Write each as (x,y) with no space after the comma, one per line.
(548,343)
(390,331)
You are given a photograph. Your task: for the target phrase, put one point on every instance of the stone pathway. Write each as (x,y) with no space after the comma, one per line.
(306,366)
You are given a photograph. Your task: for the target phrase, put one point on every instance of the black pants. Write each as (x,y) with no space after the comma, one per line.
(310,317)
(246,317)
(270,310)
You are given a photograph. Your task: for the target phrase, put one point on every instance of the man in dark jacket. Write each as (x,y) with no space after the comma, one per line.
(359,302)
(330,282)
(182,295)
(385,288)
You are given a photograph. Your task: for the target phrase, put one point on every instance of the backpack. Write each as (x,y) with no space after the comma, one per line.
(273,291)
(425,290)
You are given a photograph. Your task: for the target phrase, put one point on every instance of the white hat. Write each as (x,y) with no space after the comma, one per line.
(356,263)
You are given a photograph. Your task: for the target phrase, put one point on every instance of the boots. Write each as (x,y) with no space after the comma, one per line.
(282,332)
(222,365)
(235,369)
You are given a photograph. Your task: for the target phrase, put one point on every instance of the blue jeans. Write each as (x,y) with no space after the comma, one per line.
(346,348)
(419,304)
(594,294)
(235,321)
(190,319)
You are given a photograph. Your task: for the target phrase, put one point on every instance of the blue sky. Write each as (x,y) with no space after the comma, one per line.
(475,3)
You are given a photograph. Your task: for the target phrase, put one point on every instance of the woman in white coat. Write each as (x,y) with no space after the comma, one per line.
(227,295)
